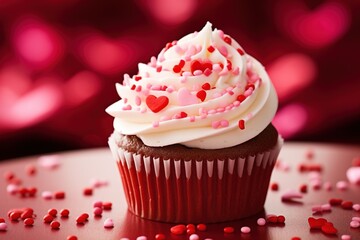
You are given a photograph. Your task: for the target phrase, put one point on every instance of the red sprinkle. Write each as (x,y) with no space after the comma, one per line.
(272,219)
(227,40)
(201,95)
(48,218)
(316,223)
(107,205)
(15,215)
(71,237)
(178,229)
(201,227)
(229,229)
(240,51)
(82,218)
(2,220)
(241,98)
(295,238)
(303,188)
(211,49)
(32,191)
(274,186)
(190,231)
(241,124)
(52,212)
(27,213)
(64,212)
(29,222)
(55,225)
(280,219)
(347,205)
(206,86)
(160,236)
(88,191)
(335,201)
(59,195)
(137,78)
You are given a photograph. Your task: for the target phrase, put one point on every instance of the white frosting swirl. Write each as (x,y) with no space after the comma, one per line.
(202,91)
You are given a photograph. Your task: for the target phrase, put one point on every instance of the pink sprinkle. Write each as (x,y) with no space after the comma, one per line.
(356,219)
(170,89)
(353,174)
(221,34)
(224,123)
(187,74)
(152,62)
(12,188)
(316,208)
(49,162)
(137,100)
(192,119)
(126,107)
(223,50)
(183,79)
(216,67)
(342,185)
(290,195)
(194,237)
(198,72)
(108,223)
(261,221)
(47,195)
(345,237)
(236,103)
(248,92)
(354,224)
(156,124)
(215,124)
(211,111)
(138,88)
(245,229)
(356,207)
(3,226)
(236,71)
(124,238)
(141,238)
(326,207)
(220,109)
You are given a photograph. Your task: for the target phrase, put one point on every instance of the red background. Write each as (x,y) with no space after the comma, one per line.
(60,60)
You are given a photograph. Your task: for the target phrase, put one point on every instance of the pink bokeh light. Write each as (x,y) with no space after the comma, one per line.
(314,28)
(290,119)
(291,73)
(37,43)
(170,12)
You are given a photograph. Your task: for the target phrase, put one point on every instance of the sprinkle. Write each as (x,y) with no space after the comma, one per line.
(87,191)
(271,218)
(227,39)
(261,221)
(55,225)
(245,229)
(27,213)
(353,175)
(52,212)
(197,72)
(335,201)
(295,238)
(82,218)
(107,205)
(241,124)
(236,71)
(241,98)
(207,72)
(328,228)
(97,211)
(356,207)
(347,205)
(345,237)
(64,213)
(12,188)
(240,51)
(28,222)
(2,220)
(72,237)
(160,236)
(47,195)
(303,188)
(274,186)
(48,218)
(342,185)
(137,78)
(201,227)
(229,229)
(155,124)
(354,224)
(216,67)
(98,204)
(326,207)
(49,162)
(224,123)
(194,237)
(141,238)
(3,227)
(59,195)
(211,49)
(316,223)
(108,223)
(178,229)
(15,215)
(355,219)
(290,195)
(215,124)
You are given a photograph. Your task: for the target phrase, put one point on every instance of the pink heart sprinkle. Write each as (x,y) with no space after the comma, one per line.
(108,223)
(353,175)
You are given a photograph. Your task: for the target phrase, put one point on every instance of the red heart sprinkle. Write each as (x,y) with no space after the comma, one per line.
(197,65)
(206,86)
(328,228)
(156,104)
(178,229)
(316,223)
(201,95)
(211,49)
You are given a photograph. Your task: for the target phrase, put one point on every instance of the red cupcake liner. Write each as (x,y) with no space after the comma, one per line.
(192,191)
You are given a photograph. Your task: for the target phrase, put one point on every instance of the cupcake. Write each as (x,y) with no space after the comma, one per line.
(193,138)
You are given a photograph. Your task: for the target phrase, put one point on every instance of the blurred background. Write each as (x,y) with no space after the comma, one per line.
(60,60)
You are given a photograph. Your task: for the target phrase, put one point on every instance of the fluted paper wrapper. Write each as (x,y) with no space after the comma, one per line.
(192,191)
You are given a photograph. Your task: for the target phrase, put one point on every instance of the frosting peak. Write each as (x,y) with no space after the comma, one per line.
(201,91)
